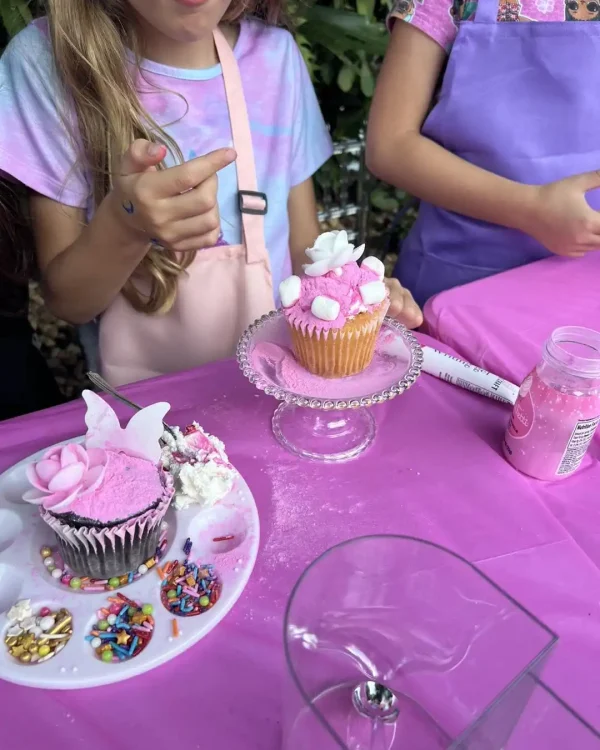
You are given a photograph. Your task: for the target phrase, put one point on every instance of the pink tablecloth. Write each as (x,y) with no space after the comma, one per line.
(500,323)
(435,472)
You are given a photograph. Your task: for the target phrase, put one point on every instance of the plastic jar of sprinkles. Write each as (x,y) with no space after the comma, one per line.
(558,408)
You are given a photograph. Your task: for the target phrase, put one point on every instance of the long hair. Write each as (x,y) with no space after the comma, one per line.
(90,39)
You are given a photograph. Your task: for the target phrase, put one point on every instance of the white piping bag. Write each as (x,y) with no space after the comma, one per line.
(464,375)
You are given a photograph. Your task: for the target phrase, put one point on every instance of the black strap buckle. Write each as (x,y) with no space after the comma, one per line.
(252,194)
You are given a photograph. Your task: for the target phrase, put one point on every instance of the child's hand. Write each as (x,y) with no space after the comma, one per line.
(402,305)
(560,218)
(175,207)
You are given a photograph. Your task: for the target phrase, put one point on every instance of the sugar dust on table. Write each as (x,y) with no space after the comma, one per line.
(108,513)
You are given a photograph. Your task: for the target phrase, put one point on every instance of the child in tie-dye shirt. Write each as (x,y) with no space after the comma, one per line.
(118,114)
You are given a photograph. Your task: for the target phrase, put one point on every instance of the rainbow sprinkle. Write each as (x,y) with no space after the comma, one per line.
(189,589)
(123,629)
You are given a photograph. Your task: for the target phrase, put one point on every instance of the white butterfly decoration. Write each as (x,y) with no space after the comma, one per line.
(140,438)
(331,251)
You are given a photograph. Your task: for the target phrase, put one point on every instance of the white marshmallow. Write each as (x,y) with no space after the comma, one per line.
(373,292)
(375,265)
(325,308)
(289,291)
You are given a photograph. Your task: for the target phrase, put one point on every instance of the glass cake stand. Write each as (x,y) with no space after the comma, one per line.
(319,418)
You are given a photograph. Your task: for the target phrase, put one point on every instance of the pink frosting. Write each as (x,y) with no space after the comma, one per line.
(64,474)
(129,485)
(343,289)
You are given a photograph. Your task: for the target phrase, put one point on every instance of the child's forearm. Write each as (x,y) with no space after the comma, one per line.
(429,172)
(84,279)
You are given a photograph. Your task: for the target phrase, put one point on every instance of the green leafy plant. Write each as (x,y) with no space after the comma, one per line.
(16,14)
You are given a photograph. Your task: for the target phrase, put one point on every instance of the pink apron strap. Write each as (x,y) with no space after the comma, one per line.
(252,204)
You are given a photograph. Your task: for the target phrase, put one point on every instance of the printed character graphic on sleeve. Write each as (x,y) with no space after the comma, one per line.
(582,10)
(405,9)
(463,10)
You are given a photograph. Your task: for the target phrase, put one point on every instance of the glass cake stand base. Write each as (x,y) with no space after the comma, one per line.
(319,418)
(324,435)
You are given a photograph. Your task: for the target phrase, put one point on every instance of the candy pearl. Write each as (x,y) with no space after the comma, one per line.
(103,625)
(46,552)
(143,569)
(45,611)
(96,642)
(171,594)
(44,650)
(48,561)
(114,582)
(373,292)
(147,609)
(57,573)
(25,658)
(204,601)
(111,619)
(47,623)
(289,291)
(75,583)
(325,308)
(107,656)
(375,265)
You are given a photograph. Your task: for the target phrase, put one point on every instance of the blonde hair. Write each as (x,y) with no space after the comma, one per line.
(90,39)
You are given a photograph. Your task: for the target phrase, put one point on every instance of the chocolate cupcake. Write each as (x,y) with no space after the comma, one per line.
(105,504)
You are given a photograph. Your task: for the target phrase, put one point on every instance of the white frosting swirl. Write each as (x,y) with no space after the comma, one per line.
(199,465)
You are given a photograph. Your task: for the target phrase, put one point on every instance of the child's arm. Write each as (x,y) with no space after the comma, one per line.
(85,267)
(304,225)
(557,215)
(400,155)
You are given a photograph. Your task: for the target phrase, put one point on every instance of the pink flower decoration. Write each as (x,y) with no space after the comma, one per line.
(64,474)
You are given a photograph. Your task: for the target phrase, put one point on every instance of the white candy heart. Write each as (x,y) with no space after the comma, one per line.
(325,308)
(375,265)
(373,292)
(289,291)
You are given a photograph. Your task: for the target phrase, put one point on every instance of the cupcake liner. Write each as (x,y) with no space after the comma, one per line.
(97,551)
(338,353)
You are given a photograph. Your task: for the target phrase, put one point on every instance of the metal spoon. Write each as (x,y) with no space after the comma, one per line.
(99,382)
(376,702)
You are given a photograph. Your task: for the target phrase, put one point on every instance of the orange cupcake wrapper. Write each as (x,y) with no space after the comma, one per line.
(341,352)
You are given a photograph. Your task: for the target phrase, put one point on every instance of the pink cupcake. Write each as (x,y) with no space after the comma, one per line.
(335,310)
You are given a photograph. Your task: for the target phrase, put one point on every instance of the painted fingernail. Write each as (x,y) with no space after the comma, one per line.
(154,149)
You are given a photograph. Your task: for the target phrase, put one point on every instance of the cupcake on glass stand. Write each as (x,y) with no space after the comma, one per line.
(330,352)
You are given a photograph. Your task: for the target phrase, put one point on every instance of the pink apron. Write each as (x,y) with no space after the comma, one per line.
(224,290)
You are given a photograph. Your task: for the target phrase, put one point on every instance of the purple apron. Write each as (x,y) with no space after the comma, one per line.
(520,100)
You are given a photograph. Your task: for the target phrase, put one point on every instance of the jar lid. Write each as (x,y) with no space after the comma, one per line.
(577,349)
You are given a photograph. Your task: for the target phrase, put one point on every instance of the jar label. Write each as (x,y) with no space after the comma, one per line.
(581,437)
(523,414)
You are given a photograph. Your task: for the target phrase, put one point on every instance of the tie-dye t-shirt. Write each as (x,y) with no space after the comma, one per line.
(439,19)
(290,138)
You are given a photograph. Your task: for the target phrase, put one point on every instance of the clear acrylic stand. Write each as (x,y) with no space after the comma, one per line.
(395,643)
(321,419)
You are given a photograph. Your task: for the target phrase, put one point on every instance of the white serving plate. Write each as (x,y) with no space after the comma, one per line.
(23,576)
